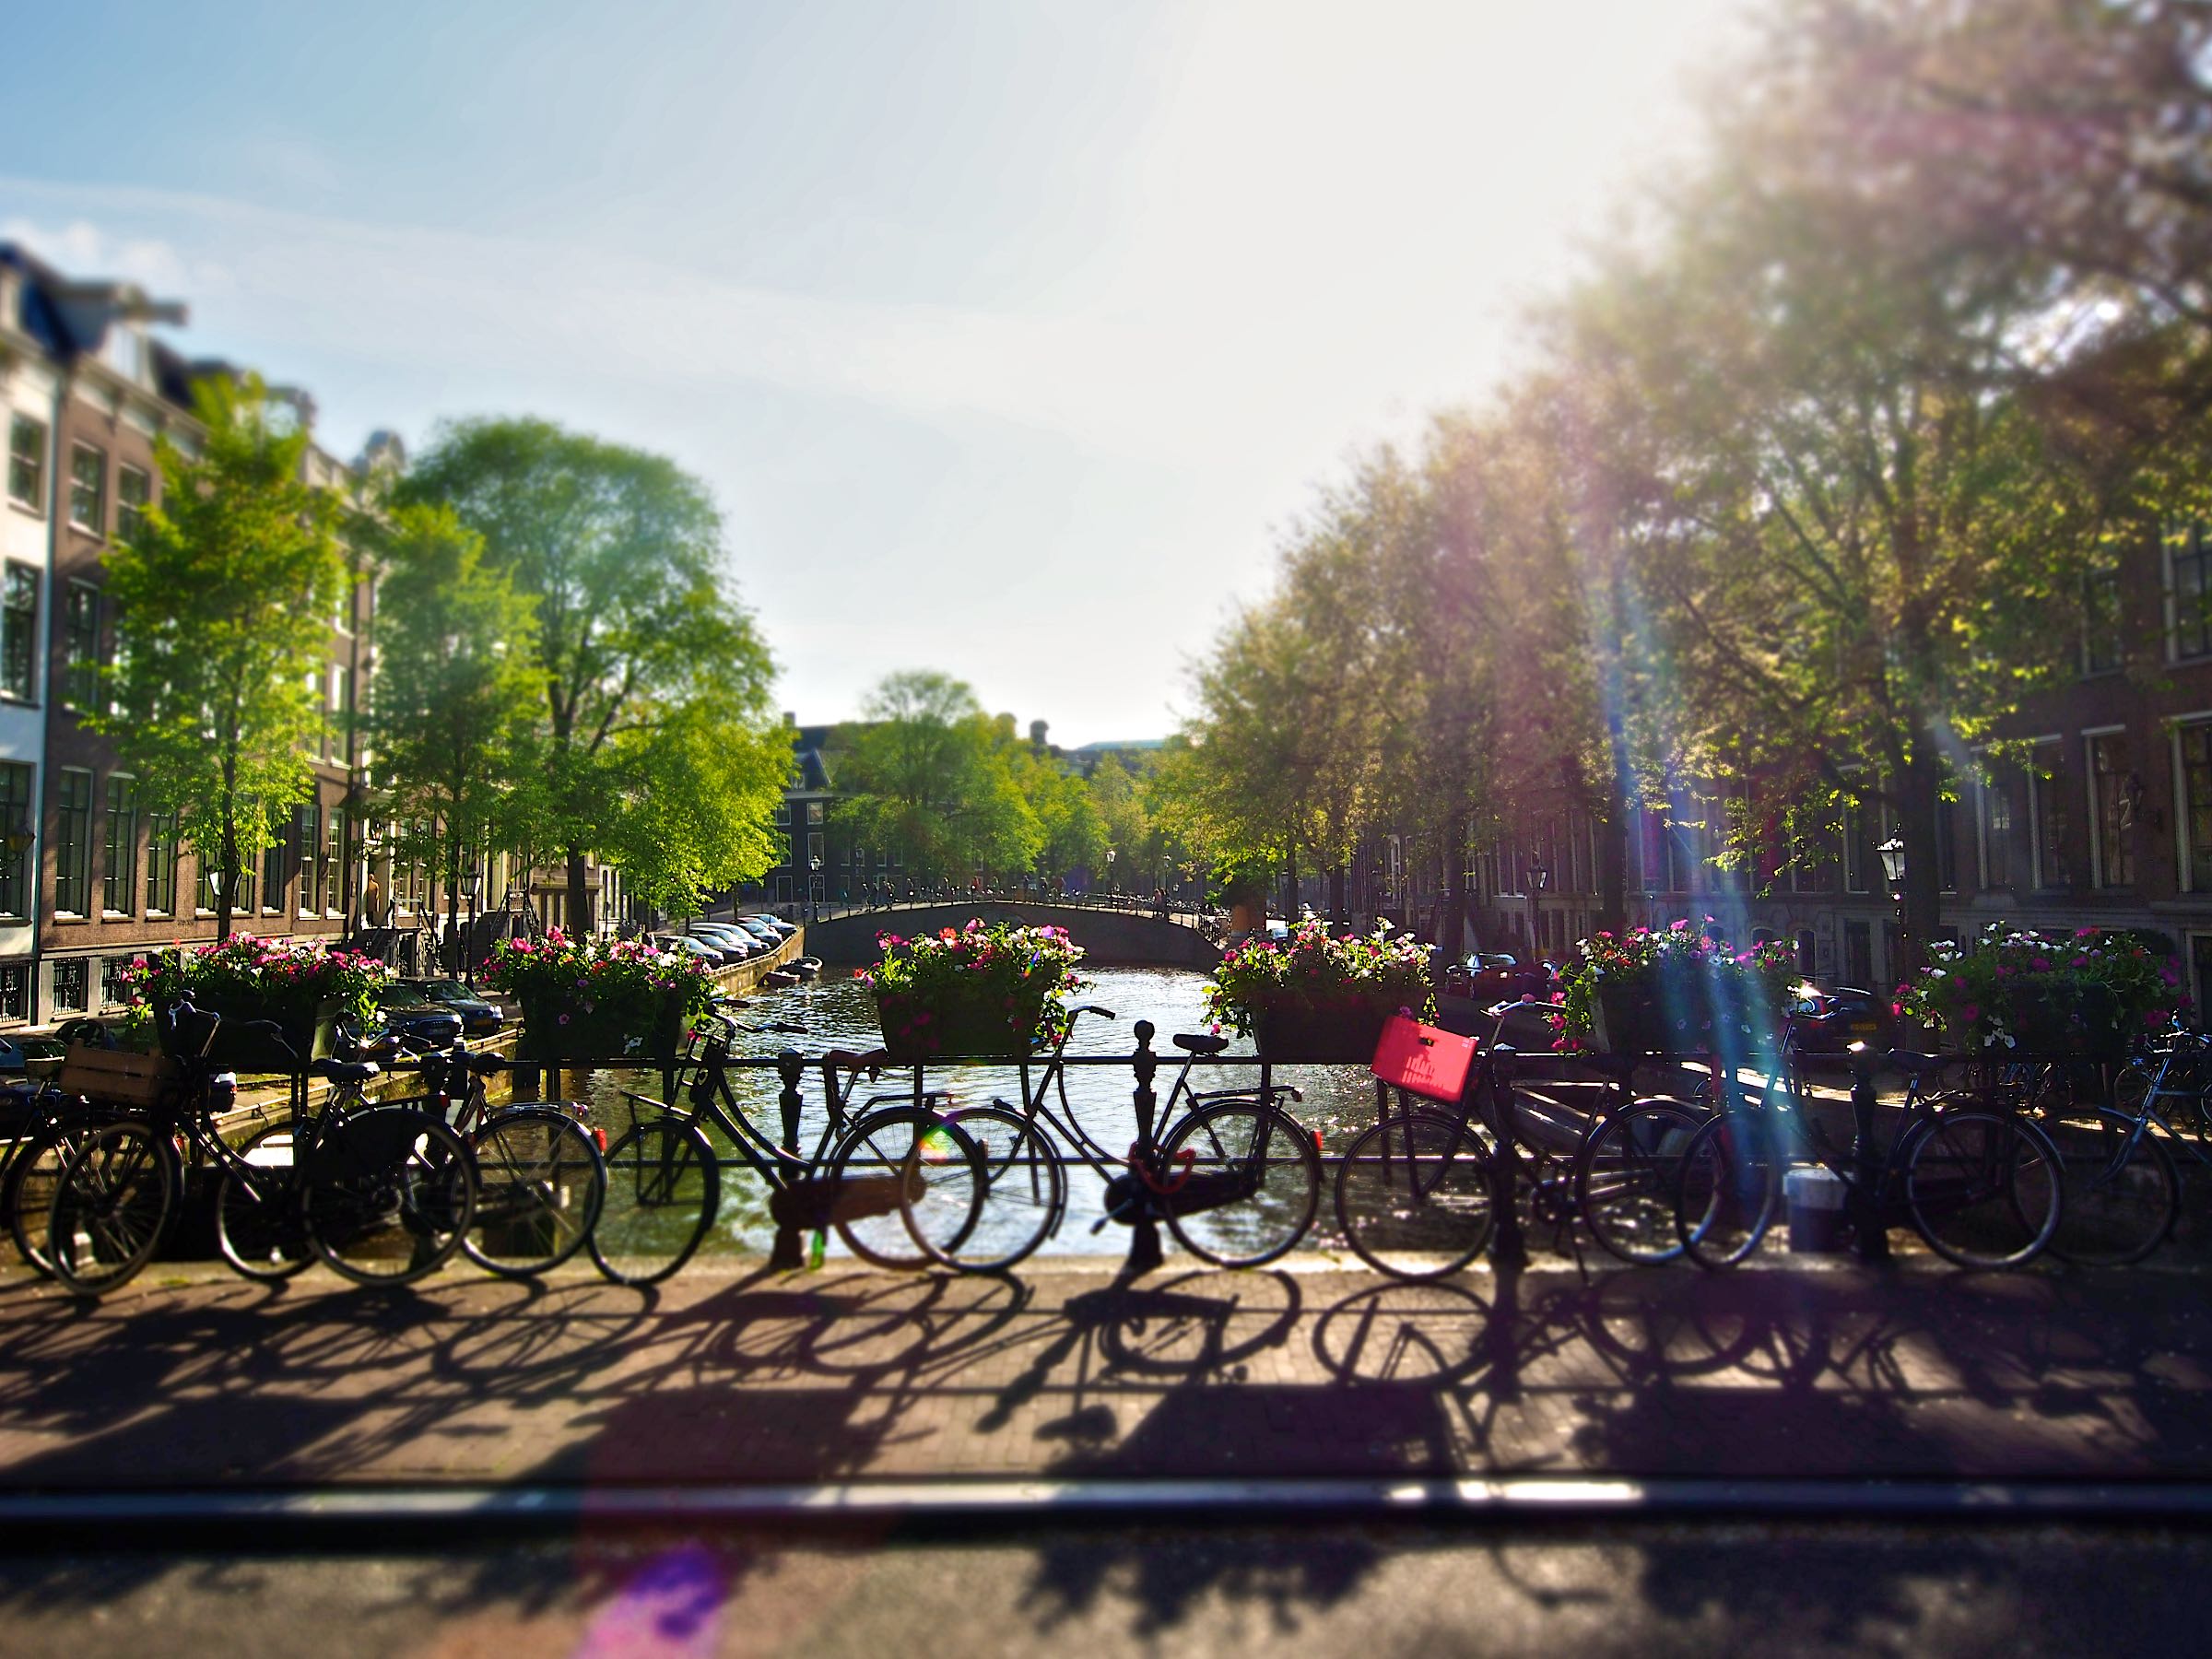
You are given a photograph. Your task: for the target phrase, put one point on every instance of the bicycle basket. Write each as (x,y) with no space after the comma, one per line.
(1423,1060)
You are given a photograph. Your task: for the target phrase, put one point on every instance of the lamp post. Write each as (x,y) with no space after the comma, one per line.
(471,884)
(814,890)
(1110,854)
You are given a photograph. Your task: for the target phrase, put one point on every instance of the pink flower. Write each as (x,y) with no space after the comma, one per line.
(1970,1012)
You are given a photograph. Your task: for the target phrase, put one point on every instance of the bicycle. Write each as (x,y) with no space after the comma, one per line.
(52,1124)
(2124,1189)
(1236,1178)
(893,1172)
(1417,1194)
(383,1194)
(540,1177)
(1982,1187)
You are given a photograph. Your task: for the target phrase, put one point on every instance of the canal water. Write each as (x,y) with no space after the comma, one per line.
(841,1013)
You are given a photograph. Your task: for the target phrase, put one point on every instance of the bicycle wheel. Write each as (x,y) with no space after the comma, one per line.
(111,1207)
(1415,1197)
(540,1185)
(2123,1193)
(1728,1191)
(662,1187)
(28,1194)
(259,1225)
(1627,1177)
(1025,1192)
(1248,1191)
(388,1195)
(907,1188)
(1982,1189)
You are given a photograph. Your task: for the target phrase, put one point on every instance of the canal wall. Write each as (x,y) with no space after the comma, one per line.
(1109,938)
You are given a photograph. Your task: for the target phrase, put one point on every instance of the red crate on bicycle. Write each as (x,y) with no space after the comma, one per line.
(1424,1060)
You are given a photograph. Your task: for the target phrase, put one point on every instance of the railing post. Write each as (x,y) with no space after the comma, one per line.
(1869,1225)
(1143,1226)
(1508,1247)
(790,1249)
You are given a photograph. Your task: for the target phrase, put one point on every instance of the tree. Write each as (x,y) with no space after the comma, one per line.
(926,775)
(1071,833)
(453,722)
(1124,825)
(641,642)
(211,702)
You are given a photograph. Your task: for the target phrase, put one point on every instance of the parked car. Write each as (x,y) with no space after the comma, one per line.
(765,930)
(784,929)
(1490,977)
(683,944)
(1828,1022)
(478,1017)
(735,943)
(405,1011)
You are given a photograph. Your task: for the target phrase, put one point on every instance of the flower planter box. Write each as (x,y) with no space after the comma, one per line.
(2084,1020)
(916,1029)
(1644,1019)
(1333,1033)
(561,1030)
(309,1031)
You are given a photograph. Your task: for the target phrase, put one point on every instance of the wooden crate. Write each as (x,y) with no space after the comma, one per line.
(113,1074)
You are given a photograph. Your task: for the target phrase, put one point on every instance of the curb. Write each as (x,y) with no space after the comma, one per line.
(318,1510)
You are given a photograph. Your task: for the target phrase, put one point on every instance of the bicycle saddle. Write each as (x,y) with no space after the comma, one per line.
(344,1071)
(1906,1060)
(875,1059)
(1197,1043)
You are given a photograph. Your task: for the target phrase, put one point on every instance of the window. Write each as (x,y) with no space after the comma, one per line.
(1996,834)
(27,463)
(2112,810)
(783,815)
(2189,587)
(72,845)
(14,991)
(88,488)
(1854,852)
(1858,954)
(110,980)
(19,634)
(18,817)
(2101,644)
(307,837)
(1947,844)
(119,849)
(161,862)
(72,984)
(332,890)
(813,812)
(1651,846)
(80,645)
(1812,860)
(2047,812)
(133,494)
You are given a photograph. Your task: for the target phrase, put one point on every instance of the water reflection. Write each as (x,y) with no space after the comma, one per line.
(840,1013)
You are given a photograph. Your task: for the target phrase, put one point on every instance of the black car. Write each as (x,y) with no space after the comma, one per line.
(478,1017)
(407,1012)
(1828,1022)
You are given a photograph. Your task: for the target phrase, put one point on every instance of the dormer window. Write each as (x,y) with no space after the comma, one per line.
(125,352)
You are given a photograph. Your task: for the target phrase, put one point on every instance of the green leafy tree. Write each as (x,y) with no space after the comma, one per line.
(641,645)
(453,719)
(927,774)
(210,701)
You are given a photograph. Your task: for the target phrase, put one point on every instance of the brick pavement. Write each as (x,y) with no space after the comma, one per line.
(730,1374)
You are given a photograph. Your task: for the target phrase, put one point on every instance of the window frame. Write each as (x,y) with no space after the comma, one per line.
(2038,857)
(118,852)
(128,511)
(35,503)
(73,851)
(80,655)
(2092,738)
(99,528)
(19,630)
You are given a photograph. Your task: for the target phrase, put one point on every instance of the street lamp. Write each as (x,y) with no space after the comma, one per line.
(1893,861)
(814,889)
(471,884)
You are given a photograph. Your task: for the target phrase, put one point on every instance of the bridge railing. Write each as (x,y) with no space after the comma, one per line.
(1212,923)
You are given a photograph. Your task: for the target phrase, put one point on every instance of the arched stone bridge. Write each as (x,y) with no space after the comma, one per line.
(1110,938)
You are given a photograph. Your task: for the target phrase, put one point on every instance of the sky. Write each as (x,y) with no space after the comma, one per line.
(1011,339)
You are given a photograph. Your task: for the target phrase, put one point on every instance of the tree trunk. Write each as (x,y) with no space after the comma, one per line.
(453,906)
(1919,792)
(579,897)
(1337,911)
(1290,874)
(1450,926)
